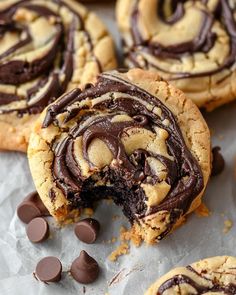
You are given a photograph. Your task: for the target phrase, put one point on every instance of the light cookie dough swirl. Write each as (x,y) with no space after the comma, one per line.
(190,43)
(119,138)
(215,275)
(46,48)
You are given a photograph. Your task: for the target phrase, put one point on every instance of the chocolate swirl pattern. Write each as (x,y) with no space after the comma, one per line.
(116,139)
(46,48)
(216,275)
(200,61)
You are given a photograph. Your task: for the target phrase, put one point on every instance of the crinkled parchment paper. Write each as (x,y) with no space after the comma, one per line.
(198,238)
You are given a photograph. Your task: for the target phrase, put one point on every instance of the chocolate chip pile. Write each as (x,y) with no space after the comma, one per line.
(84,269)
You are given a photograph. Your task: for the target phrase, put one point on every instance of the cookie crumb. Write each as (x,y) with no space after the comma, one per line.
(68,221)
(126,235)
(202,211)
(227,226)
(115,217)
(111,241)
(73,217)
(109,201)
(220,137)
(181,221)
(122,249)
(88,211)
(130,235)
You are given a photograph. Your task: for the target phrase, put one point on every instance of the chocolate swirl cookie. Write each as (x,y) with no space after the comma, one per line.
(190,43)
(46,48)
(130,136)
(215,275)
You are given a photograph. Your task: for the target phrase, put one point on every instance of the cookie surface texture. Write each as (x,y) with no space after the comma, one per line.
(190,43)
(131,136)
(215,275)
(46,48)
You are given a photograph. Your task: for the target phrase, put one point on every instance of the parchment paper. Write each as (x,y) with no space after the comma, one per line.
(198,238)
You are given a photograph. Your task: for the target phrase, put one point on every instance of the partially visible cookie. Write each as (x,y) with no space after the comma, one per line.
(46,48)
(190,43)
(131,136)
(215,275)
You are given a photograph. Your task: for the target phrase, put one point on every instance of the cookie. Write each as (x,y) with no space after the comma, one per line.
(190,43)
(46,48)
(215,275)
(131,136)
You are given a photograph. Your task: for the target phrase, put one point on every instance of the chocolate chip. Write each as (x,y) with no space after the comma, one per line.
(218,162)
(27,211)
(49,269)
(87,230)
(37,230)
(84,269)
(31,207)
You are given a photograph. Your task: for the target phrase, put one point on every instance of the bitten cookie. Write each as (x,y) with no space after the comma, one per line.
(216,275)
(131,136)
(46,48)
(190,43)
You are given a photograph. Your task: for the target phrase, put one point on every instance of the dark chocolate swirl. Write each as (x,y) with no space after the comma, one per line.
(40,55)
(212,275)
(159,37)
(118,140)
(221,13)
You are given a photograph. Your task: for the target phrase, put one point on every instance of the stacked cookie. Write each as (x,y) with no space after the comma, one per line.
(134,135)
